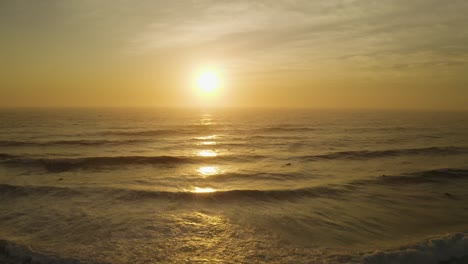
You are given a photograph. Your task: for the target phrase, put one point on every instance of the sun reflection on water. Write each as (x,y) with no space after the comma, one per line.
(207,121)
(208,170)
(203,190)
(208,143)
(211,137)
(207,153)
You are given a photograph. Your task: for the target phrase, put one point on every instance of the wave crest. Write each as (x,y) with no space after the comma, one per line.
(136,194)
(90,163)
(87,163)
(69,143)
(370,154)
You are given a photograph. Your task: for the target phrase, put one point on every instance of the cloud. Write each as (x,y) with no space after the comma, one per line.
(292,35)
(302,33)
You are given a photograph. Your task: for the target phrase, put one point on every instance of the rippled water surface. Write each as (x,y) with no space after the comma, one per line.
(295,186)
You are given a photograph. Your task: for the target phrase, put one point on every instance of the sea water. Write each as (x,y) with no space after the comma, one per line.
(232,186)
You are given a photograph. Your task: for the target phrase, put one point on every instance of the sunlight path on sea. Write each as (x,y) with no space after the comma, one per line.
(205,170)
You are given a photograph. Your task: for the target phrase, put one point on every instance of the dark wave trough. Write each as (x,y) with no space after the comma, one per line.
(90,163)
(70,143)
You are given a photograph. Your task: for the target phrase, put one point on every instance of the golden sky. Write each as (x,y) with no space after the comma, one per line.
(320,54)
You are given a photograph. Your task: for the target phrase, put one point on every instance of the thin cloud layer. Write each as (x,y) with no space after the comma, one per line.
(376,34)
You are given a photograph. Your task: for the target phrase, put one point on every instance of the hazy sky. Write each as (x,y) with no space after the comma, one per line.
(332,54)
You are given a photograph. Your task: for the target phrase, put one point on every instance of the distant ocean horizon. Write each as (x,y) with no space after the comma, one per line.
(159,185)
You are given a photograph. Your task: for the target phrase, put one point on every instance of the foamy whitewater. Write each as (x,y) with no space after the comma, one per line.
(233,186)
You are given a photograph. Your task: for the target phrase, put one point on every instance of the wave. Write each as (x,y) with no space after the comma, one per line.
(331,191)
(197,129)
(258,176)
(6,156)
(69,143)
(268,138)
(426,176)
(371,154)
(154,132)
(238,195)
(137,194)
(90,163)
(67,164)
(429,176)
(285,129)
(12,252)
(385,129)
(451,248)
(445,249)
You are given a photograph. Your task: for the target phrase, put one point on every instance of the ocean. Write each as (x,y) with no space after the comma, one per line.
(233,186)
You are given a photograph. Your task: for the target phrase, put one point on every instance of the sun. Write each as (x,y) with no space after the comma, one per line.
(208,82)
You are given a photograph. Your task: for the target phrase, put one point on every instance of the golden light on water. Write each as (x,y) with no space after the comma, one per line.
(206,120)
(203,190)
(208,143)
(211,137)
(207,153)
(208,170)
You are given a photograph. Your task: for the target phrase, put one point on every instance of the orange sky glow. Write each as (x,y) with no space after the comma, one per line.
(318,54)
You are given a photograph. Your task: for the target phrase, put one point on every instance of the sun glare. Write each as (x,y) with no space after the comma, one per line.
(203,190)
(207,82)
(207,153)
(208,170)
